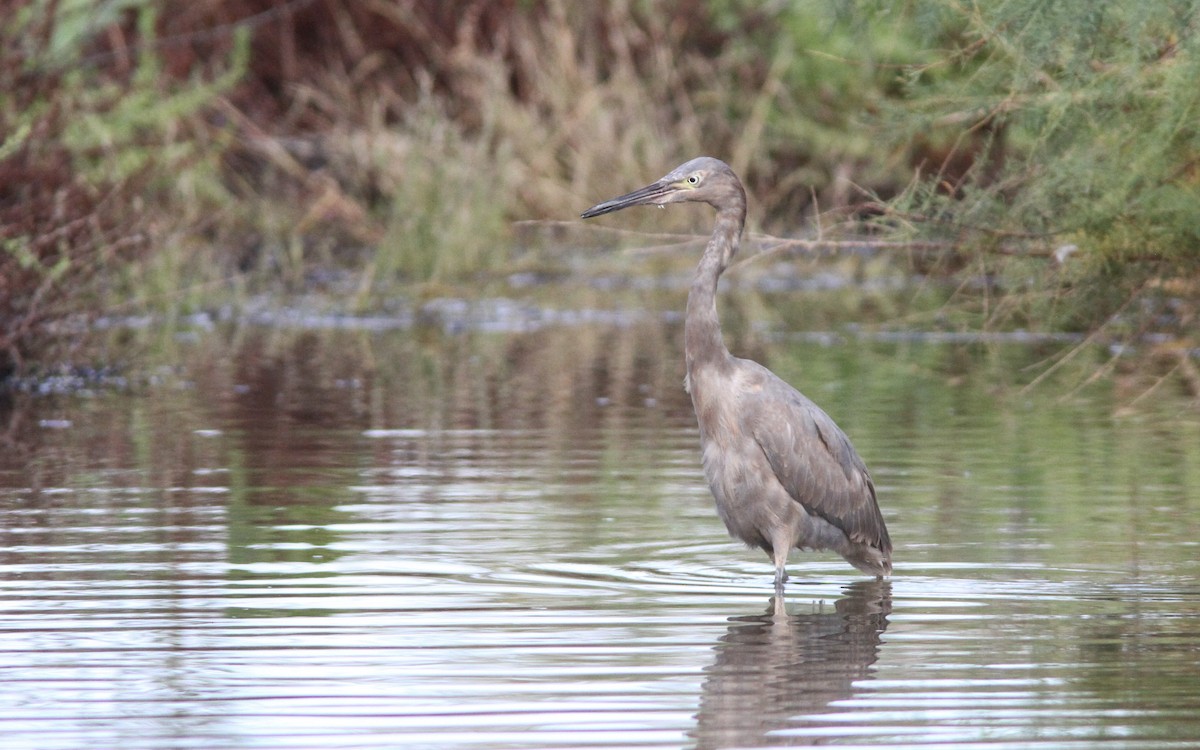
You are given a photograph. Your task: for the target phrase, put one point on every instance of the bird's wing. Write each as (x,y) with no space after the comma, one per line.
(813,459)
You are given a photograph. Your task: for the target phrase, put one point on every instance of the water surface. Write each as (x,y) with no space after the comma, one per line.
(432,539)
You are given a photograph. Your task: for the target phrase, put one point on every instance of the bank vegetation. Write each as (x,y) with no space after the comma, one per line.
(1040,159)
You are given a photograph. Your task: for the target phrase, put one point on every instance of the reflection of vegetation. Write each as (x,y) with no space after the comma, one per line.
(1000,466)
(1152,624)
(949,429)
(253,463)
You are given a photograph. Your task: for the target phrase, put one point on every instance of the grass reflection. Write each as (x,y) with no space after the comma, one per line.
(970,466)
(422,527)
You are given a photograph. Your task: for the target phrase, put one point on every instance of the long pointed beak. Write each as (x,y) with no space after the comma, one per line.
(651,194)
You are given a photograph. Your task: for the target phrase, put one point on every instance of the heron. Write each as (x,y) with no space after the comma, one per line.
(783,474)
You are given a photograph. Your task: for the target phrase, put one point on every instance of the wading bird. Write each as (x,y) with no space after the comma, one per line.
(782,473)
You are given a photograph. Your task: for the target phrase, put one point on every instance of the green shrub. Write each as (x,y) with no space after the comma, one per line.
(1095,113)
(94,154)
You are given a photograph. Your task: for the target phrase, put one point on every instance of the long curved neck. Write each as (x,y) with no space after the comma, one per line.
(702,342)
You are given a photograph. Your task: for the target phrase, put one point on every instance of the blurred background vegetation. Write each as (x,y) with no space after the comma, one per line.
(166,157)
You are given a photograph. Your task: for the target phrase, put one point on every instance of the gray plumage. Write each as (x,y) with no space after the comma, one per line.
(782,473)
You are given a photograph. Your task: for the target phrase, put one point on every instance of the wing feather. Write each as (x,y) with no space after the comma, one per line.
(812,458)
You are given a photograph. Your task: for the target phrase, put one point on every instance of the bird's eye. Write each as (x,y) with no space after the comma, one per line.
(693,179)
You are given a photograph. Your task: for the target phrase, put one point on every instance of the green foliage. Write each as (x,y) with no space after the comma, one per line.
(73,26)
(1068,121)
(445,217)
(94,155)
(123,127)
(833,66)
(1006,129)
(1099,112)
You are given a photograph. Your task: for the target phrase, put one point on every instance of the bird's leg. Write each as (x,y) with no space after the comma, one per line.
(779,554)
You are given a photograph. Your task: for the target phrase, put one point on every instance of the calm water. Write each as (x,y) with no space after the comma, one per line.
(346,539)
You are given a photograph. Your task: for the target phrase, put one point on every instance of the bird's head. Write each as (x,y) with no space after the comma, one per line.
(702,180)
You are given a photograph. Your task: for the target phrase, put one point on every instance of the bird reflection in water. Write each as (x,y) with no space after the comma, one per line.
(773,671)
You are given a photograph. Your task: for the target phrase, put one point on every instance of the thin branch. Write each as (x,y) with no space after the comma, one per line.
(1158,382)
(662,236)
(1088,340)
(220,31)
(784,244)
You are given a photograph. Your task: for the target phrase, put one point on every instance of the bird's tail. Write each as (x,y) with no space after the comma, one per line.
(870,559)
